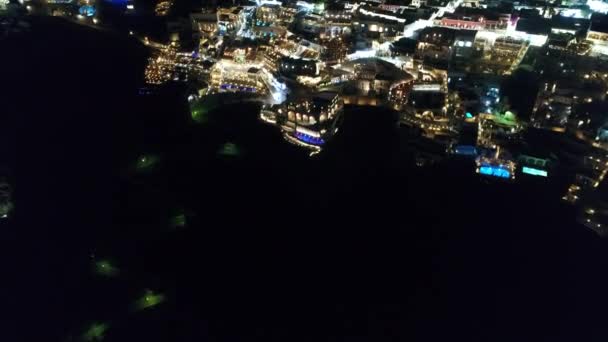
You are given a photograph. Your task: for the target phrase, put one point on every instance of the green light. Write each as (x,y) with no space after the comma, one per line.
(229,150)
(319,8)
(200,110)
(199,115)
(146,162)
(105,268)
(149,299)
(178,221)
(95,332)
(534,172)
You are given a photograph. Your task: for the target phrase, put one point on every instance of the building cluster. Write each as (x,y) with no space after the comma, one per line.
(161,65)
(81,11)
(307,121)
(162,8)
(450,68)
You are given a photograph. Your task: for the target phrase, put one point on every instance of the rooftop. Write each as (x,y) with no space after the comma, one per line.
(599,23)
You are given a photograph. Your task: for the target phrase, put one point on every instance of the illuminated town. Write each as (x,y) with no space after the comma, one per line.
(440,64)
(513,93)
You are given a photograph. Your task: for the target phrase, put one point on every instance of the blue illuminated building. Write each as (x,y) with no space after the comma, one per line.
(311,120)
(534,172)
(499,171)
(87,10)
(237,88)
(537,162)
(465,150)
(310,139)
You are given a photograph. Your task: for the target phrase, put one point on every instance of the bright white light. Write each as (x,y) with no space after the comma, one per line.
(304,4)
(361,54)
(598,6)
(268,2)
(419,24)
(307,131)
(384,16)
(427,87)
(599,49)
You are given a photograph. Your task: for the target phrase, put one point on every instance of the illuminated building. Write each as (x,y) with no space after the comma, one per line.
(404,47)
(588,181)
(495,165)
(266,15)
(435,46)
(474,19)
(271,59)
(335,50)
(375,22)
(462,50)
(294,67)
(337,22)
(312,121)
(204,24)
(598,30)
(375,76)
(286,15)
(536,165)
(504,55)
(332,76)
(533,26)
(560,41)
(87,10)
(240,52)
(268,32)
(426,110)
(162,8)
(230,19)
(562,24)
(496,168)
(594,215)
(494,129)
(268,114)
(161,66)
(557,101)
(464,150)
(399,92)
(310,23)
(432,126)
(231,78)
(382,83)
